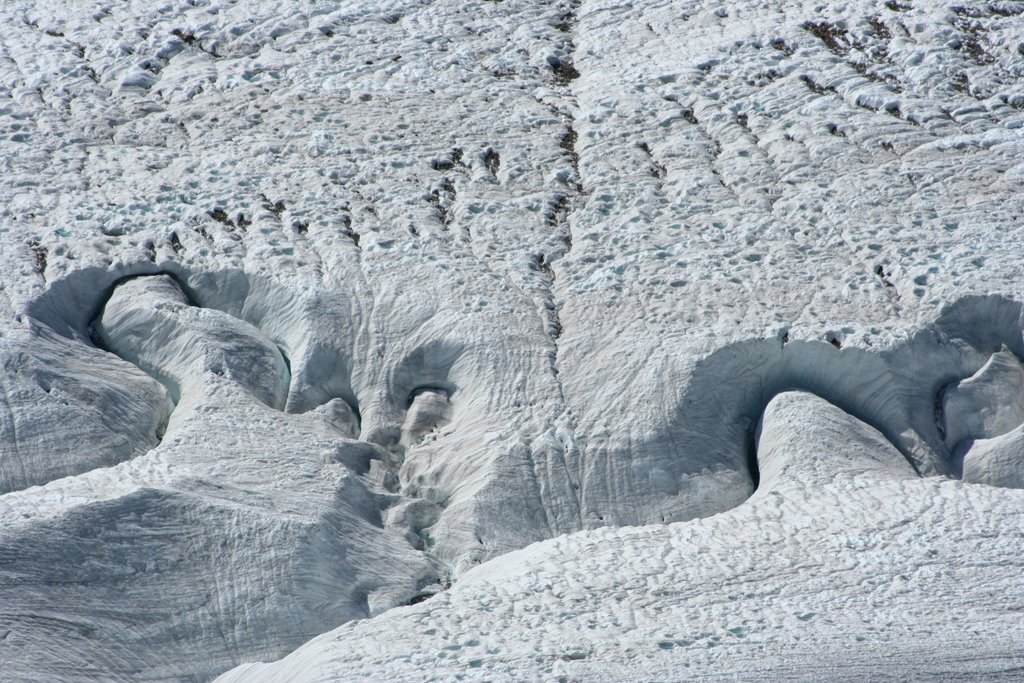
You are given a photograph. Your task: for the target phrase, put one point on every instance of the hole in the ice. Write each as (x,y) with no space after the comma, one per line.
(752,466)
(287,360)
(492,161)
(419,391)
(420,597)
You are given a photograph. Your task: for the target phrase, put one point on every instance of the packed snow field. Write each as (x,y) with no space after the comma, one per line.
(576,340)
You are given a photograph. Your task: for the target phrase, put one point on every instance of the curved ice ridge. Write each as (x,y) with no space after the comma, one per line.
(142,321)
(149,321)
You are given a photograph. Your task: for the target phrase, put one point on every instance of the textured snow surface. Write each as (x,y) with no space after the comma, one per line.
(903,580)
(312,311)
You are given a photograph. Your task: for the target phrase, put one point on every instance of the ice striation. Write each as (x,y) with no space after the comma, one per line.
(520,340)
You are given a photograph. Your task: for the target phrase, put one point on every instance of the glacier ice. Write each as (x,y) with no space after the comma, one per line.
(804,440)
(577,340)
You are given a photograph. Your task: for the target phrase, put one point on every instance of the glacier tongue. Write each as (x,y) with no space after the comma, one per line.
(320,316)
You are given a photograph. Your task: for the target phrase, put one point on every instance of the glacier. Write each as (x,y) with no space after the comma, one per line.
(574,340)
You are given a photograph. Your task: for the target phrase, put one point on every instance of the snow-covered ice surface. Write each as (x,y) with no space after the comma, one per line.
(310,309)
(855,571)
